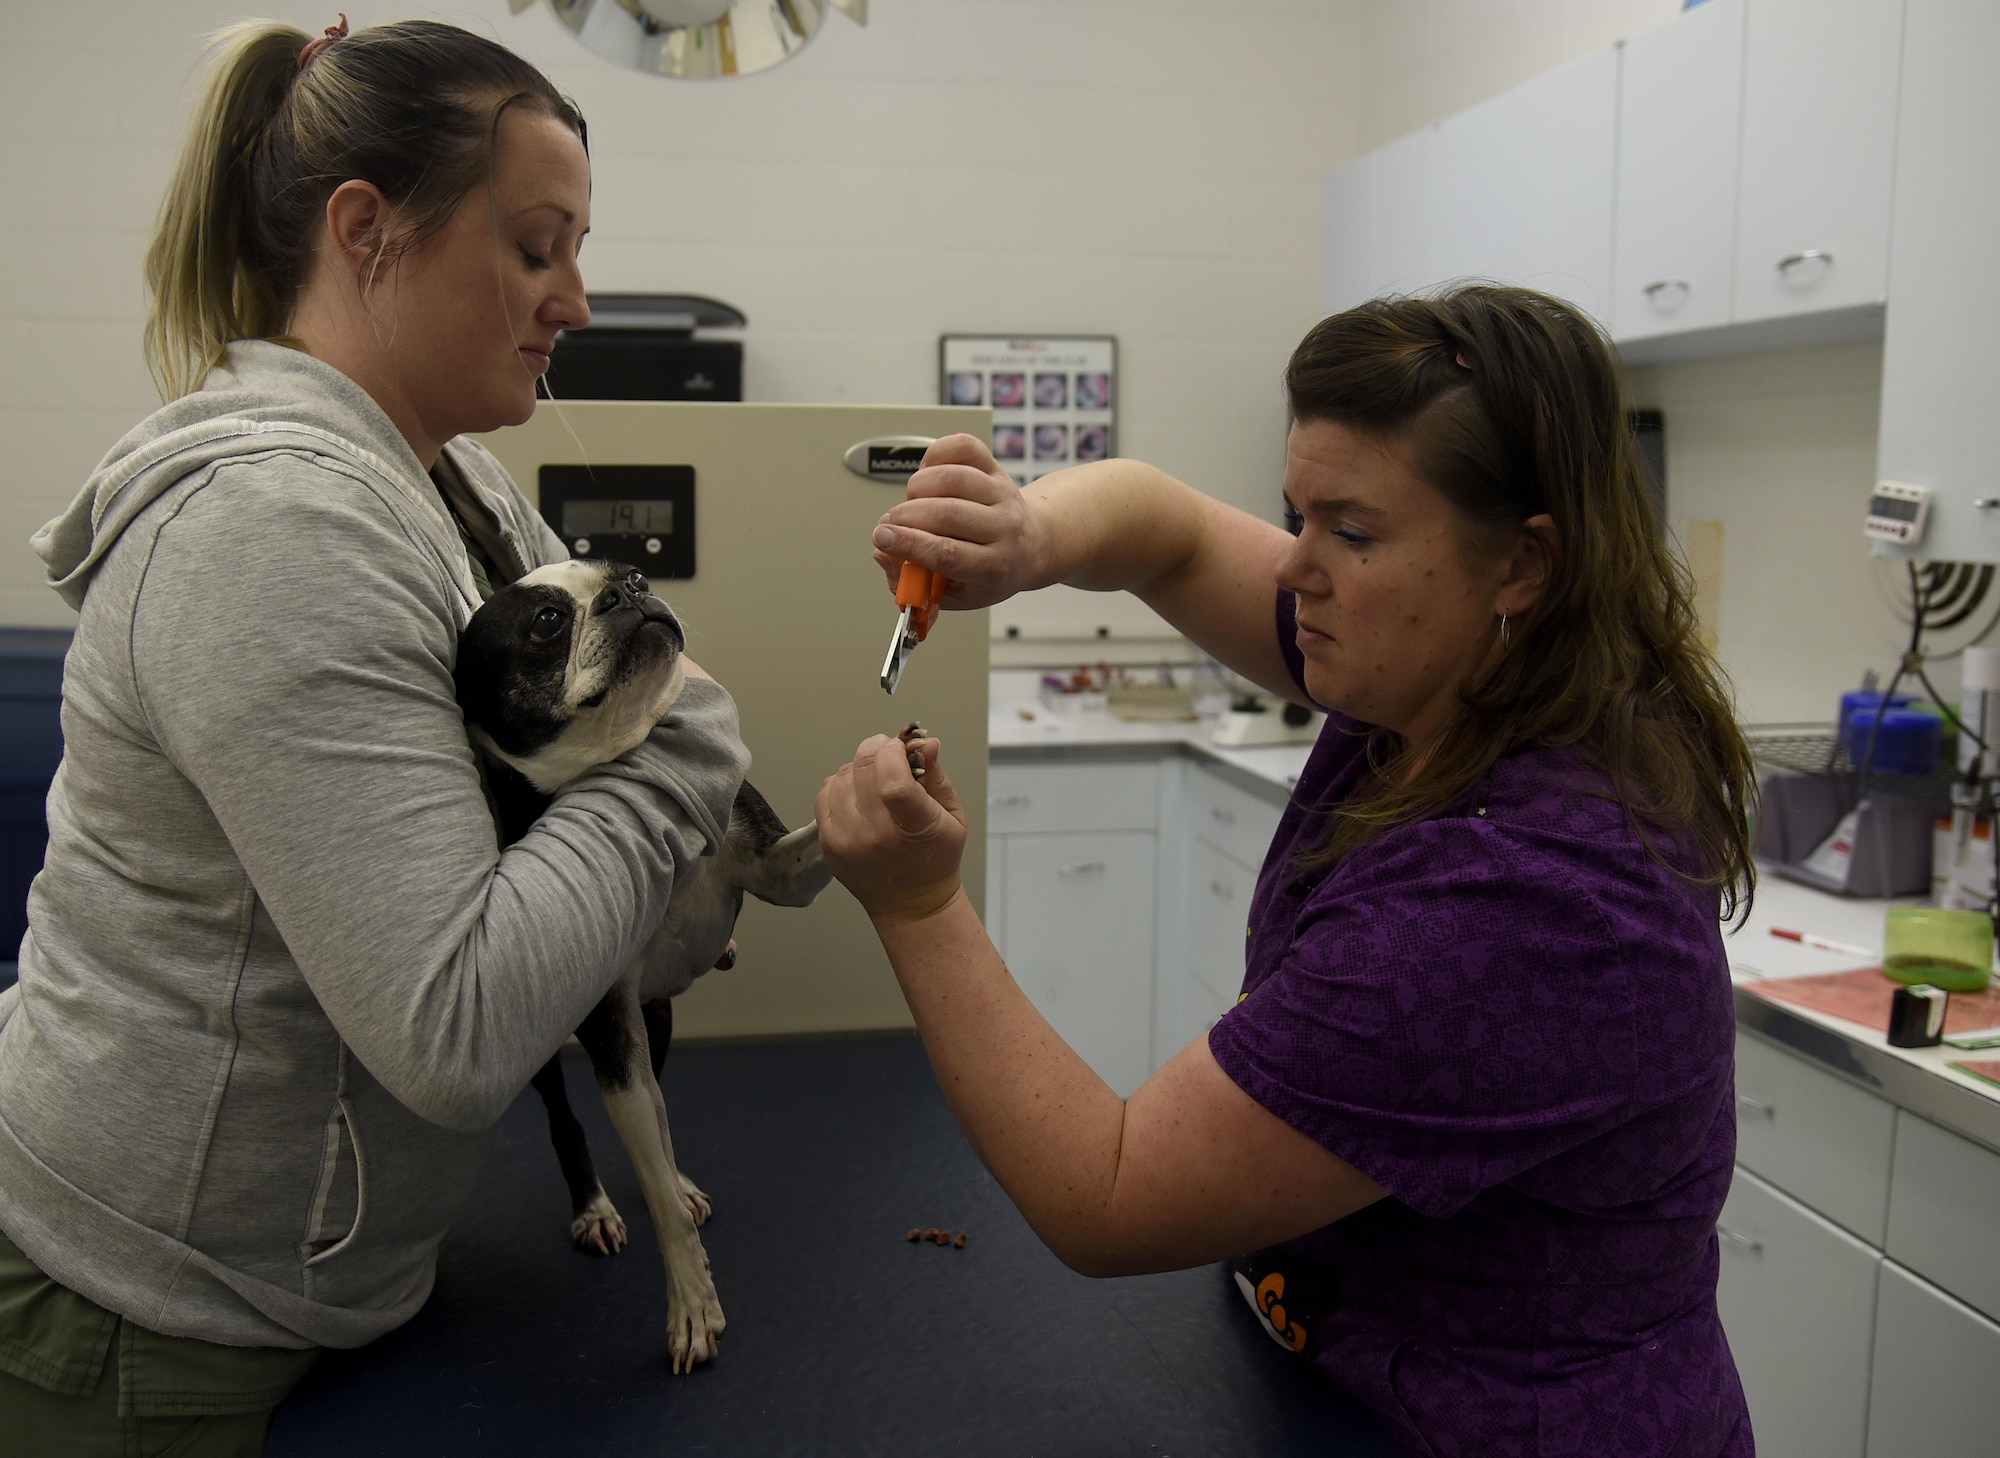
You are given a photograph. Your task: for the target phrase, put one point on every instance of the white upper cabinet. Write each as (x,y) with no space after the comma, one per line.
(1402,215)
(1344,239)
(1378,222)
(1819,142)
(1521,186)
(1518,190)
(1940,370)
(1680,108)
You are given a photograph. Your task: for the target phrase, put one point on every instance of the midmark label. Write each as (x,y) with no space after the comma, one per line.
(887,458)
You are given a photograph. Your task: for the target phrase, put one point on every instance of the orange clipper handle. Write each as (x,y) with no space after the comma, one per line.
(922,589)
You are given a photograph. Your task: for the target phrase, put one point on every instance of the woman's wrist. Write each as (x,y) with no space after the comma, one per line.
(923,904)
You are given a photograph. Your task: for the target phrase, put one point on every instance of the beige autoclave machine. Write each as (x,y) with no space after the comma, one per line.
(756,530)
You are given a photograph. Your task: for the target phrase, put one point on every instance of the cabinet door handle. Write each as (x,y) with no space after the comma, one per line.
(1227,817)
(1742,1242)
(1804,256)
(1667,293)
(1221,890)
(1756,1108)
(1081,868)
(999,802)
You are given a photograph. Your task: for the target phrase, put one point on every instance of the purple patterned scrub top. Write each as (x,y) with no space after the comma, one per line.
(1520,1025)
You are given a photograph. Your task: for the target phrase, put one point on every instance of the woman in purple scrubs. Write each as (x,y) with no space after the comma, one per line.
(1473,1113)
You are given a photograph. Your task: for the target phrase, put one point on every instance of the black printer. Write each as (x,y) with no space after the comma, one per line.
(646,347)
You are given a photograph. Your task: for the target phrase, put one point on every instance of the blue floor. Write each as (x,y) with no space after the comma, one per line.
(843,1337)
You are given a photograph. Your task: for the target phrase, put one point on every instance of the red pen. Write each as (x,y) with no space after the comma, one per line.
(1823,943)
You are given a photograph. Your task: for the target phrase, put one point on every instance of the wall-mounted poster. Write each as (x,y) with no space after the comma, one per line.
(1053,396)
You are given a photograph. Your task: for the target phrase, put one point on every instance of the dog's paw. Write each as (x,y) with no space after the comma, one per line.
(694,1318)
(598,1228)
(700,1207)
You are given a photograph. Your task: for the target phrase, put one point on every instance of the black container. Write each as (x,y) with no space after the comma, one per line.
(1916,1016)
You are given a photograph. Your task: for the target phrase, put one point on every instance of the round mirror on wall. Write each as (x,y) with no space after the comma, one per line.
(697,39)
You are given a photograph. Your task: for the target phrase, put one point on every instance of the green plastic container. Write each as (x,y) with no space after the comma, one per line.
(1948,949)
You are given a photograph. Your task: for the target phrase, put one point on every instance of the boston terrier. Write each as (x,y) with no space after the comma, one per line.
(557,673)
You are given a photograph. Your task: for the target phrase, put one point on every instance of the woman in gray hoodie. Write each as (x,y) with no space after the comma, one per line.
(279,980)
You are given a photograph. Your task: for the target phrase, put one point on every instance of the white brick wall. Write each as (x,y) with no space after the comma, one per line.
(1144,168)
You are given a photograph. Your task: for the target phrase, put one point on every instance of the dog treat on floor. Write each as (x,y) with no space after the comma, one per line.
(913,738)
(959,1240)
(915,1234)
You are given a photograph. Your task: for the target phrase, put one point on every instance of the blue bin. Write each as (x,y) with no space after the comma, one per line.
(31,668)
(1908,742)
(1861,704)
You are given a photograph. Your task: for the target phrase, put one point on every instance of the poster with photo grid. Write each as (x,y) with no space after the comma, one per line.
(1054,396)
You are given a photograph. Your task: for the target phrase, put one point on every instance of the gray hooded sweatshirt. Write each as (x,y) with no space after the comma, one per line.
(279,979)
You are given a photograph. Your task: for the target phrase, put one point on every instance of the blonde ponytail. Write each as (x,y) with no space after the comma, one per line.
(412,108)
(204,293)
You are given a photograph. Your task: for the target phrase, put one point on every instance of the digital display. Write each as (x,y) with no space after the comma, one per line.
(629,518)
(1892,508)
(645,515)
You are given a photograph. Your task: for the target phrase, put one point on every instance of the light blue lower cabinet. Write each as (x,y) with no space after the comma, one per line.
(1118,893)
(1078,934)
(1797,1295)
(1936,1387)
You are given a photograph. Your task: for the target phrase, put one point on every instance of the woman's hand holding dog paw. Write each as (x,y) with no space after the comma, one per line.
(892,840)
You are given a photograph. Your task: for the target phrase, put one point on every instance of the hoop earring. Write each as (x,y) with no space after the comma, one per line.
(1505,641)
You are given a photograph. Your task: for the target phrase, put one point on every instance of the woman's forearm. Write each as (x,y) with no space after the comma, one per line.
(1048,1128)
(1113,526)
(1204,566)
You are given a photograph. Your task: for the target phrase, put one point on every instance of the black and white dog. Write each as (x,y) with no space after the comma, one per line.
(561,671)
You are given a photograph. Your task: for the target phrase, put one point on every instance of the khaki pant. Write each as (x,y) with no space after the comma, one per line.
(42,1424)
(77,1381)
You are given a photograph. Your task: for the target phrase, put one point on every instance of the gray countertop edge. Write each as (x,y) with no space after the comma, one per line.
(1907,1085)
(1100,753)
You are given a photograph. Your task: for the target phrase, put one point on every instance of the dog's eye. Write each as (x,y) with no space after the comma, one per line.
(638,583)
(546,624)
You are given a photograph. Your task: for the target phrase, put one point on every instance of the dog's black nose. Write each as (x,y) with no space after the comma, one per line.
(629,590)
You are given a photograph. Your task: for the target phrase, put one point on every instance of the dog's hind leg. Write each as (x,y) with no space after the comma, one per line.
(595,1224)
(659,1016)
(615,1037)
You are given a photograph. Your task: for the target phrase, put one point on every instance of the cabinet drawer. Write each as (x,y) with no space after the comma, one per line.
(1944,1212)
(1797,1297)
(1048,797)
(1932,1393)
(1218,910)
(1234,821)
(1821,1140)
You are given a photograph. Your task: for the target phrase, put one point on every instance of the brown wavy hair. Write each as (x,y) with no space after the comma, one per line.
(1610,661)
(413,107)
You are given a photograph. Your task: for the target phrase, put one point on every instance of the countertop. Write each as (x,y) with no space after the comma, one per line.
(1918,1079)
(1018,731)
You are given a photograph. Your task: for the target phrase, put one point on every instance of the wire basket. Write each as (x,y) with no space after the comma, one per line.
(1813,749)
